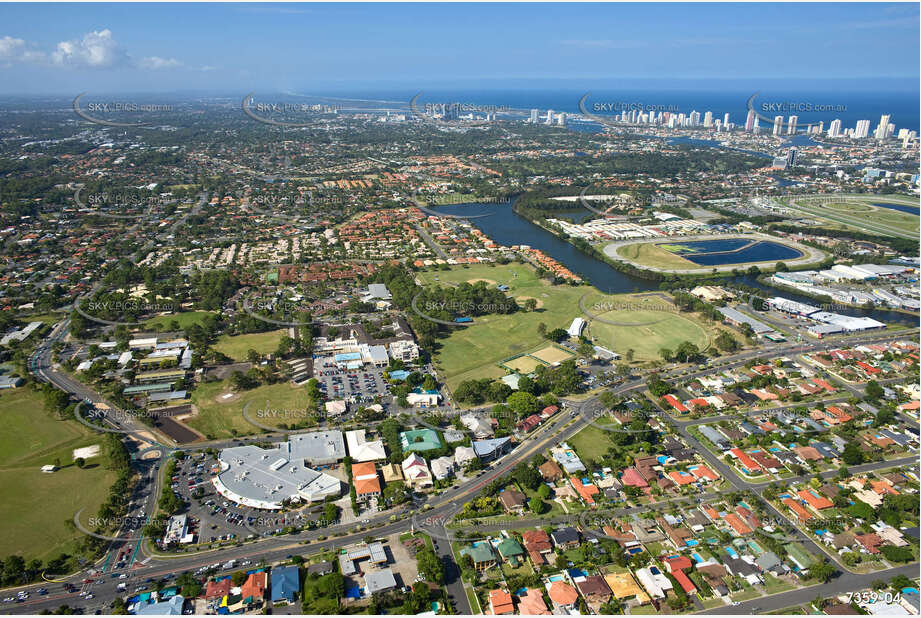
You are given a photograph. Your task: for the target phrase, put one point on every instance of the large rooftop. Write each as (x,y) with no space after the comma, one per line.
(264,478)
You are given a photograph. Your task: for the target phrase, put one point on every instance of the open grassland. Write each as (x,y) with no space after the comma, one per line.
(473,352)
(184,320)
(650,254)
(237,346)
(223,418)
(34,506)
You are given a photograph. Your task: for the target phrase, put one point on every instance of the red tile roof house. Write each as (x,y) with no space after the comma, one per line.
(702,471)
(676,566)
(537,543)
(218,590)
(739,527)
(563,595)
(528,424)
(748,517)
(748,465)
(585,491)
(677,405)
(500,603)
(814,500)
(828,387)
(632,478)
(548,412)
(870,542)
(798,509)
(771,464)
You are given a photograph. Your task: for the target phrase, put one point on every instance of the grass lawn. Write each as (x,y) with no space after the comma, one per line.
(237,346)
(185,319)
(473,352)
(773,585)
(35,507)
(644,610)
(864,216)
(712,603)
(645,324)
(47,318)
(650,254)
(523,568)
(217,419)
(746,594)
(591,443)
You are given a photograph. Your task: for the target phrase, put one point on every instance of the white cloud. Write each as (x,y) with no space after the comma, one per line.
(97,49)
(17,50)
(156,63)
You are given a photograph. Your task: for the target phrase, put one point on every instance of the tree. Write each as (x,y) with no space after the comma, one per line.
(527,475)
(430,566)
(852,455)
(543,491)
(79,462)
(530,304)
(874,390)
(822,571)
(238,578)
(726,342)
(523,404)
(253,356)
(781,267)
(629,355)
(538,506)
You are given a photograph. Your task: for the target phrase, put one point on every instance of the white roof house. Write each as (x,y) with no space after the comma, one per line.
(416,471)
(443,467)
(464,455)
(361,449)
(576,328)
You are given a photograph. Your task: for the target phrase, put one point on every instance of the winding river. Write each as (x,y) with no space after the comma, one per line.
(506,227)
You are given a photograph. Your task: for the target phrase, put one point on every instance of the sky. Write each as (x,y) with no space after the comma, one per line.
(67,48)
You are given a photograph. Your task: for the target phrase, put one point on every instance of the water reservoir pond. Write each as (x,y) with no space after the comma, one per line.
(731,251)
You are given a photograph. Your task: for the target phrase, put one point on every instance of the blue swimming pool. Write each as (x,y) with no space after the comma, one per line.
(692,542)
(577,573)
(556,578)
(635,550)
(732,553)
(697,557)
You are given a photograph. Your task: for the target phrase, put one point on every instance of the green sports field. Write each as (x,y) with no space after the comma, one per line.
(651,254)
(473,352)
(34,506)
(237,346)
(223,418)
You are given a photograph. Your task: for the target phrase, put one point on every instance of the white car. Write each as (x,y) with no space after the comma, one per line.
(734,603)
(9,599)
